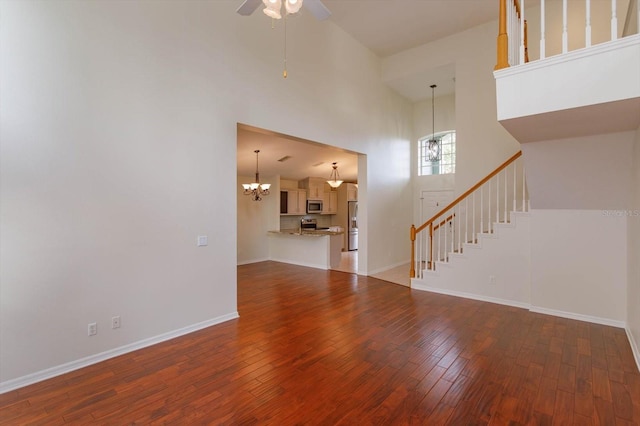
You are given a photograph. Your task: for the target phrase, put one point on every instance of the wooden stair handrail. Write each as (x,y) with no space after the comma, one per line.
(429,223)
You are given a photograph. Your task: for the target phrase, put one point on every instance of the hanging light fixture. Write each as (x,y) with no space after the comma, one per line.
(334,180)
(256,189)
(273,8)
(433,145)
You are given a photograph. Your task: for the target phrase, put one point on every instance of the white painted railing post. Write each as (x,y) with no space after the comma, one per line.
(542,30)
(614,21)
(521,32)
(565,34)
(587,28)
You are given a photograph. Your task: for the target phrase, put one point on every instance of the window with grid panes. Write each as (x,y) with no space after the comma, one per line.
(447,163)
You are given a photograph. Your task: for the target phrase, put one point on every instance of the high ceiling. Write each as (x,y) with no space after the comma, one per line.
(391,26)
(385,27)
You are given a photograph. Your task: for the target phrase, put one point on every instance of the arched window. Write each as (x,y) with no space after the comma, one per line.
(446,161)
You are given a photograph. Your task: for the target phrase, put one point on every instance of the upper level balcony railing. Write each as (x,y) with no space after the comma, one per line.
(580,79)
(560,24)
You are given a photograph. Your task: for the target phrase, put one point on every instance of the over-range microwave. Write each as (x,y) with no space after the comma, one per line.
(314,206)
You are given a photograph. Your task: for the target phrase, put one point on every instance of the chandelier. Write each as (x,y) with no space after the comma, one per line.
(433,146)
(334,180)
(273,8)
(256,189)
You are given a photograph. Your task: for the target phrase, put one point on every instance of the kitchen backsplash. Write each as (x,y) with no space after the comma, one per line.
(293,222)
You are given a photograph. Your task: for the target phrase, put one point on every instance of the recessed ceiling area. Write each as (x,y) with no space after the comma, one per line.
(306,158)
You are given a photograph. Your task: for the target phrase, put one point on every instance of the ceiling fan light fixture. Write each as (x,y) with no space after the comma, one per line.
(293,6)
(272,8)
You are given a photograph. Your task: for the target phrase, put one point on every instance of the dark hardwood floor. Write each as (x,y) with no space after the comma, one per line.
(327,347)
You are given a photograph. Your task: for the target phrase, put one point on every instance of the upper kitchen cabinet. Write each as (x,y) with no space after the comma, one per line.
(330,202)
(314,187)
(293,202)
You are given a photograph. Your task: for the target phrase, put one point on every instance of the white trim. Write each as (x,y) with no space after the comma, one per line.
(462,294)
(48,373)
(578,317)
(386,268)
(634,346)
(248,262)
(584,52)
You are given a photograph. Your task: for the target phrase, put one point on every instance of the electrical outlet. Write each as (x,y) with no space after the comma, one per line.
(115,322)
(492,279)
(203,240)
(92,329)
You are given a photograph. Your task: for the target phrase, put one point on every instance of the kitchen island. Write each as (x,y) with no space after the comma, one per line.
(316,249)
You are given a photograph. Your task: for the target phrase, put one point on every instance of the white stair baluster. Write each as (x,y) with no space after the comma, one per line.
(542,29)
(505,195)
(473,218)
(587,29)
(515,174)
(614,21)
(466,219)
(565,35)
(498,198)
(523,189)
(481,209)
(521,32)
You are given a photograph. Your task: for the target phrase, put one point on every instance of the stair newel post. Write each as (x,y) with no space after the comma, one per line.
(503,38)
(412,235)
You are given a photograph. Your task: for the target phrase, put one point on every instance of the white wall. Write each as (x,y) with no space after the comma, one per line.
(118,128)
(579,264)
(633,259)
(592,172)
(255,219)
(482,144)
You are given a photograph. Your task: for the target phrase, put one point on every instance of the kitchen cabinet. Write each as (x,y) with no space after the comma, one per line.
(293,202)
(330,202)
(314,187)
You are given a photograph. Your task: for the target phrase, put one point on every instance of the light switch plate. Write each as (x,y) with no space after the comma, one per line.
(203,240)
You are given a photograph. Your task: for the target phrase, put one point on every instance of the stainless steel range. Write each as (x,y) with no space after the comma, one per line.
(308,225)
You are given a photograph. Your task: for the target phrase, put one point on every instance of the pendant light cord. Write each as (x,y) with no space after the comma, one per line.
(284,73)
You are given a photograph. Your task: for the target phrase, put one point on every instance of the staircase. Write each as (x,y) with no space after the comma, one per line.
(479,245)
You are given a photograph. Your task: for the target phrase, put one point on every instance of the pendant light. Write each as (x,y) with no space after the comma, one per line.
(334,180)
(433,146)
(256,189)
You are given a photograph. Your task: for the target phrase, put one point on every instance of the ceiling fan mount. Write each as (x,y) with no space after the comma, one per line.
(315,7)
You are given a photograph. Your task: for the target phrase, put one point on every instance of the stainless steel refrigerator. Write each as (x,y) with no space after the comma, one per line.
(352,226)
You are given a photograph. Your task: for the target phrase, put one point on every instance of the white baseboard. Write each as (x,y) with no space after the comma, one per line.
(386,268)
(634,346)
(248,262)
(39,376)
(579,317)
(479,297)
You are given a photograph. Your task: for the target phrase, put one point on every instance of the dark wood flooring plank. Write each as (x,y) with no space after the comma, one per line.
(330,348)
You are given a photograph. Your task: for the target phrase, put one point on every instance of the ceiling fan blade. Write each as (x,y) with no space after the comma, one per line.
(248,7)
(317,9)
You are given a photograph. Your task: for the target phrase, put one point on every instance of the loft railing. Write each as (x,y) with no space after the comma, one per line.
(488,202)
(513,30)
(512,50)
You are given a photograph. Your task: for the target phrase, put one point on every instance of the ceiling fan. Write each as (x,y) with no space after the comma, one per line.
(272,9)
